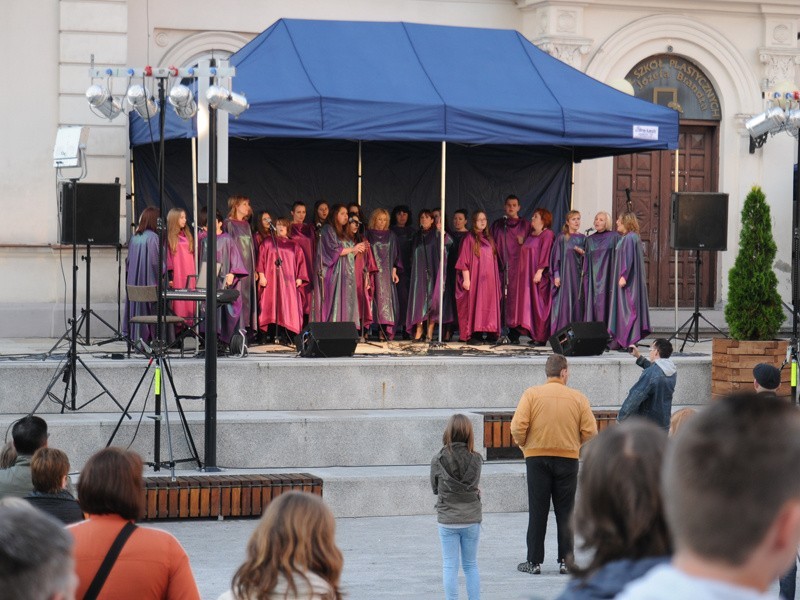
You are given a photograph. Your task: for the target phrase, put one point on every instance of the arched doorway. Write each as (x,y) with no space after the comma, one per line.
(678,83)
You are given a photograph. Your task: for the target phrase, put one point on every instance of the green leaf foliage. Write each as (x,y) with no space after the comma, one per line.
(754,311)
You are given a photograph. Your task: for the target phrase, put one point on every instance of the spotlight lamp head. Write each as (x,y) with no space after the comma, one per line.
(770,121)
(182,100)
(222,99)
(793,121)
(102,101)
(143,103)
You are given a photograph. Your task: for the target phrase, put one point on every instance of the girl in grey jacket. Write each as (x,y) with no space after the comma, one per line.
(455,476)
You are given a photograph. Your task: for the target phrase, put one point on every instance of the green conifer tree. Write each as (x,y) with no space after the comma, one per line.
(754,311)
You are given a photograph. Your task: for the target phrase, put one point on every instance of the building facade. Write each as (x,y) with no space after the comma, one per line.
(711,60)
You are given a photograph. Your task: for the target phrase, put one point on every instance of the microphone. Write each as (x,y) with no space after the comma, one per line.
(354,220)
(270,225)
(318,225)
(590,230)
(505,217)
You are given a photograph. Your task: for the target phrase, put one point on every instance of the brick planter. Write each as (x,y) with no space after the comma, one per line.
(732,363)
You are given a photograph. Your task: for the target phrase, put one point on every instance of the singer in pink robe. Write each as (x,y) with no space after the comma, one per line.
(180,262)
(365,269)
(304,235)
(281,296)
(478,284)
(509,234)
(532,307)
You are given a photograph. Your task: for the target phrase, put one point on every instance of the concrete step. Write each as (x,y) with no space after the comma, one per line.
(297,440)
(355,383)
(406,490)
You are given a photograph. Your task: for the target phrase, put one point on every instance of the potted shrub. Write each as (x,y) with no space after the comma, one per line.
(753,312)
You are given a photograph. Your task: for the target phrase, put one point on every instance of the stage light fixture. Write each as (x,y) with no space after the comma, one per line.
(102,101)
(182,100)
(143,103)
(770,121)
(222,99)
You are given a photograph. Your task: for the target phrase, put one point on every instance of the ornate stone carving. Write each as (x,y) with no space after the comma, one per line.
(780,64)
(567,50)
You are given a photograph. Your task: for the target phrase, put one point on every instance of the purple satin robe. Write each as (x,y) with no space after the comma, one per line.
(629,320)
(304,236)
(532,303)
(509,235)
(336,297)
(478,307)
(386,251)
(141,269)
(566,264)
(230,260)
(364,268)
(181,264)
(598,274)
(242,236)
(404,237)
(281,301)
(424,276)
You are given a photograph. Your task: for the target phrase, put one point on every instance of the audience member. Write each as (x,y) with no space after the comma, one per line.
(49,470)
(29,434)
(766,379)
(679,418)
(550,425)
(35,555)
(292,554)
(7,455)
(651,395)
(151,564)
(732,499)
(619,510)
(455,476)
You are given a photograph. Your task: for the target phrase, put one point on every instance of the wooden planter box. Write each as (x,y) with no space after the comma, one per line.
(732,363)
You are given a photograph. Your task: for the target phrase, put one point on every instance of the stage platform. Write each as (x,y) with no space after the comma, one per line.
(367,425)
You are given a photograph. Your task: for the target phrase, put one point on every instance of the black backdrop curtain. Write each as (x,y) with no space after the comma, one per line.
(275,172)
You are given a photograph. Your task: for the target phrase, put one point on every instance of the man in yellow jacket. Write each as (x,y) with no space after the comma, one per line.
(550,425)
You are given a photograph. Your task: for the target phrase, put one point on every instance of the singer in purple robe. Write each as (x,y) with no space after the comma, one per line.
(425,277)
(629,320)
(458,232)
(364,268)
(142,269)
(262,232)
(237,226)
(282,273)
(478,284)
(400,225)
(386,251)
(231,266)
(304,235)
(566,266)
(534,294)
(509,234)
(599,269)
(336,296)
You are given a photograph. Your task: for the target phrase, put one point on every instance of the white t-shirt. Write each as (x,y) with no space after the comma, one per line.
(667,583)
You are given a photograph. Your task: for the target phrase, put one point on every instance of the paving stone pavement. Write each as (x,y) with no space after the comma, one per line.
(387,557)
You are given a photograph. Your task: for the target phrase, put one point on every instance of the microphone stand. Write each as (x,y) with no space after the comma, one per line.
(583,282)
(280,277)
(503,339)
(359,237)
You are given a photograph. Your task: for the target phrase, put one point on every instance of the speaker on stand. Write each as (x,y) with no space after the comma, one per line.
(699,222)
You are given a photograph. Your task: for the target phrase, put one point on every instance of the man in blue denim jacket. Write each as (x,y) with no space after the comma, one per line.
(651,395)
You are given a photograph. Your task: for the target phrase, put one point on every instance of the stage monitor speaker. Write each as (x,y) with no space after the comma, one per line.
(327,340)
(97,218)
(581,338)
(699,221)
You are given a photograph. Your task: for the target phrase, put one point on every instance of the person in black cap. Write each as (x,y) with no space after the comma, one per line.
(766,379)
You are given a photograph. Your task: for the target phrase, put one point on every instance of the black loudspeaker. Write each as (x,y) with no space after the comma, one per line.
(581,338)
(97,218)
(327,340)
(699,221)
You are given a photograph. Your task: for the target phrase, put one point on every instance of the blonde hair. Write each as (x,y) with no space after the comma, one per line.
(295,535)
(679,418)
(174,230)
(373,218)
(629,222)
(607,216)
(235,201)
(565,226)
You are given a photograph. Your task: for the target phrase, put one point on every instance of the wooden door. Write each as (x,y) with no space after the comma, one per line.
(650,177)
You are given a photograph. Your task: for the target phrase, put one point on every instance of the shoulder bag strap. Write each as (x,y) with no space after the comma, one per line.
(108,562)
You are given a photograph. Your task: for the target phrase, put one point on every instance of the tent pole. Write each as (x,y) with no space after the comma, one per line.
(572,183)
(359,172)
(441,239)
(194,204)
(677,189)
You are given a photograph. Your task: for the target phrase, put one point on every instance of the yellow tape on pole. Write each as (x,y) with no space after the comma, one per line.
(794,373)
(157,381)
